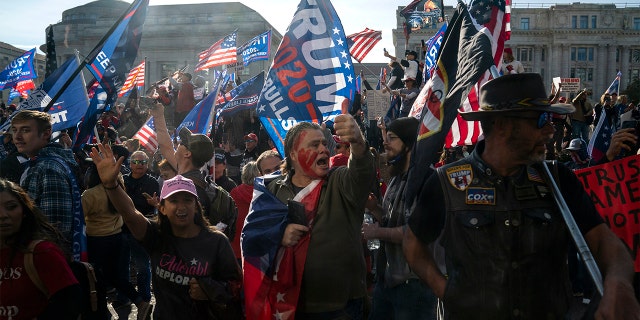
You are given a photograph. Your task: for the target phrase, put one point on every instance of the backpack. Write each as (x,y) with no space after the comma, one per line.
(93,304)
(222,212)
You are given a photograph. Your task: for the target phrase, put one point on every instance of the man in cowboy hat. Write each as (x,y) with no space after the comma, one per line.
(408,95)
(504,239)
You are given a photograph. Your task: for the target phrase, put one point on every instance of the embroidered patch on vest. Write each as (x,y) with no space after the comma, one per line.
(460,176)
(533,175)
(481,196)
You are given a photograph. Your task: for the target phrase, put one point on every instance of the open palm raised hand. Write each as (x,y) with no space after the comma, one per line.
(108,167)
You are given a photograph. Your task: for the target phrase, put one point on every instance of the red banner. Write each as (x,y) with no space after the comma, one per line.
(615,191)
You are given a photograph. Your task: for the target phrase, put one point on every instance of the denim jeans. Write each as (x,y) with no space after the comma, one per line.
(140,259)
(412,300)
(106,254)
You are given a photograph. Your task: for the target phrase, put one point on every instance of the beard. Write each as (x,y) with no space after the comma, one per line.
(397,168)
(524,149)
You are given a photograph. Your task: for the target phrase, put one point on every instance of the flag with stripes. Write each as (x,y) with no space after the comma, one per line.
(362,42)
(382,79)
(494,17)
(465,55)
(134,79)
(614,87)
(147,135)
(222,52)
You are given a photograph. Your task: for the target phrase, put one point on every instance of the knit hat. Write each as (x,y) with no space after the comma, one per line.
(200,145)
(177,184)
(406,129)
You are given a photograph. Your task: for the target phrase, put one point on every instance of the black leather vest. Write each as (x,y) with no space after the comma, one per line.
(505,243)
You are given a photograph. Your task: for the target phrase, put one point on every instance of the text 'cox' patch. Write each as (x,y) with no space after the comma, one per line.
(481,196)
(460,176)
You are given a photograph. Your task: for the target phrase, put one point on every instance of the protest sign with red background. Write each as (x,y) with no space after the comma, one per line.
(614,188)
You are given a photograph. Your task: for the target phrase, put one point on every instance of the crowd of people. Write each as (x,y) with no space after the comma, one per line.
(483,240)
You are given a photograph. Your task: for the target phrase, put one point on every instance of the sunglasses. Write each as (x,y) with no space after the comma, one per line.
(249,141)
(543,119)
(139,161)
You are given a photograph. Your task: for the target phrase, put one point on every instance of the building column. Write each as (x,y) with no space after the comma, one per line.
(565,70)
(601,72)
(535,66)
(624,66)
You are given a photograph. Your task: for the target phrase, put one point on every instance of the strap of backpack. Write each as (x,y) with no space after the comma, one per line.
(91,277)
(30,268)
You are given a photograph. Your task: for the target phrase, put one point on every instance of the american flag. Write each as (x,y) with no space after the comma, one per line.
(494,16)
(615,85)
(599,143)
(134,79)
(382,79)
(147,135)
(220,53)
(362,42)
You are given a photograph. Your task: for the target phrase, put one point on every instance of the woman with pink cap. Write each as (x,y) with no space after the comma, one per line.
(192,263)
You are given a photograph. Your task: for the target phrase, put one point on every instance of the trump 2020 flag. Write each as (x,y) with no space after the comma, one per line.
(433,48)
(311,78)
(272,273)
(18,70)
(256,49)
(110,61)
(466,55)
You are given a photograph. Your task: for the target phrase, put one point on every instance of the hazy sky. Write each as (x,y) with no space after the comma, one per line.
(26,27)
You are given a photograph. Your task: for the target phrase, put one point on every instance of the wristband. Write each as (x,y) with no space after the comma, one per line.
(111,188)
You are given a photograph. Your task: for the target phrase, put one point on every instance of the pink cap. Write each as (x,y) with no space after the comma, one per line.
(177,184)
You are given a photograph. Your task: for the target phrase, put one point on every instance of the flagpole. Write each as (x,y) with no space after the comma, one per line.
(144,75)
(87,60)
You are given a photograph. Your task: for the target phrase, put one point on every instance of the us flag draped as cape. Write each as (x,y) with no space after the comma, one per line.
(273,274)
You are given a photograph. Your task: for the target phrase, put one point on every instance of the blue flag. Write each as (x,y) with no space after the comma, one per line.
(244,97)
(18,70)
(311,78)
(258,48)
(69,107)
(12,95)
(110,62)
(433,48)
(98,104)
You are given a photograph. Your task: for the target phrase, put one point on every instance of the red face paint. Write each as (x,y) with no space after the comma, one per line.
(307,156)
(307,159)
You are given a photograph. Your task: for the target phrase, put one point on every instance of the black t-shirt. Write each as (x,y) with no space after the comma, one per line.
(135,189)
(428,217)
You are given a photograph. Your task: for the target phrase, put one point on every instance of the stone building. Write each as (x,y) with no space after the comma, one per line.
(172,37)
(587,41)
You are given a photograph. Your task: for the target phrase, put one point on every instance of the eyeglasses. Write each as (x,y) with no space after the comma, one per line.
(247,141)
(543,119)
(139,161)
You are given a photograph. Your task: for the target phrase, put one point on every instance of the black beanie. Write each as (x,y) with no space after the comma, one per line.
(406,129)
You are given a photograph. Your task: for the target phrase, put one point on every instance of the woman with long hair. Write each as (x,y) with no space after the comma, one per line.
(192,263)
(50,291)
